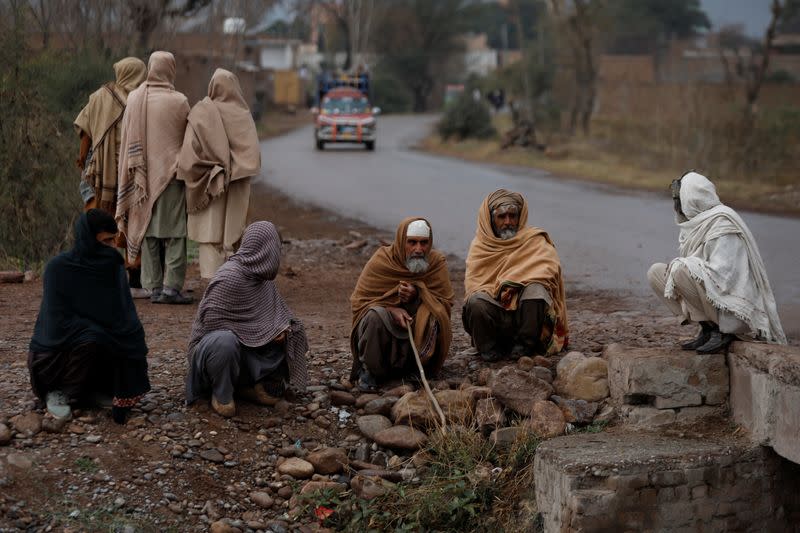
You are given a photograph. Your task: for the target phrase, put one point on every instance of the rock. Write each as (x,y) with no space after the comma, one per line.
(525,363)
(19,461)
(606,414)
(505,437)
(364,399)
(587,380)
(380,406)
(314,486)
(647,417)
(457,405)
(489,414)
(517,389)
(368,488)
(484,376)
(542,361)
(578,412)
(542,373)
(665,378)
(328,460)
(28,424)
(53,425)
(477,392)
(11,276)
(5,435)
(285,492)
(94,439)
(371,424)
(212,455)
(262,499)
(76,428)
(414,408)
(568,362)
(547,420)
(339,397)
(399,391)
(401,437)
(297,468)
(220,526)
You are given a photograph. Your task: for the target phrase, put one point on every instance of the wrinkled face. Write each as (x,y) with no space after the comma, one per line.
(106,238)
(505,221)
(417,249)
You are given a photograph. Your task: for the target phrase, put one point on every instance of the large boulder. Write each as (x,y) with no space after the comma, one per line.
(328,460)
(371,424)
(517,389)
(547,420)
(586,380)
(414,408)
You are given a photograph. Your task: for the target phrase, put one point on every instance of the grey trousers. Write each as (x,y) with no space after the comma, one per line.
(383,348)
(172,273)
(220,364)
(494,328)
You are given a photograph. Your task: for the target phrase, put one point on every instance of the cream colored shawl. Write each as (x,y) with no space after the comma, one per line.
(221,143)
(148,155)
(528,257)
(99,120)
(734,283)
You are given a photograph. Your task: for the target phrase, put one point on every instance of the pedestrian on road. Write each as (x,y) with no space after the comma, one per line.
(151,206)
(244,339)
(88,344)
(99,128)
(719,280)
(219,156)
(514,288)
(404,283)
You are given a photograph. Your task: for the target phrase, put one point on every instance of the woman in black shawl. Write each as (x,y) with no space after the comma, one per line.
(88,341)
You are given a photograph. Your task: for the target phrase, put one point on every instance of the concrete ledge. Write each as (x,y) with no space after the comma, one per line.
(625,482)
(665,378)
(765,394)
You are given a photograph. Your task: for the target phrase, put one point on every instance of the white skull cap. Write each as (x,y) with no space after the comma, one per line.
(418,228)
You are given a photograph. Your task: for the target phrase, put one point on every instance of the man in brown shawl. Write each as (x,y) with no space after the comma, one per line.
(514,290)
(151,205)
(219,156)
(404,283)
(98,127)
(244,339)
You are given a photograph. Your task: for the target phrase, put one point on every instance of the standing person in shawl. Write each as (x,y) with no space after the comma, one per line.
(404,283)
(88,342)
(514,289)
(219,156)
(151,205)
(244,338)
(719,280)
(98,127)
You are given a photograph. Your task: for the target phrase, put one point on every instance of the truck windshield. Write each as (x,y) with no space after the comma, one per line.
(345,105)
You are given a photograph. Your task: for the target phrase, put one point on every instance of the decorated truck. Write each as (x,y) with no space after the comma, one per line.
(343,113)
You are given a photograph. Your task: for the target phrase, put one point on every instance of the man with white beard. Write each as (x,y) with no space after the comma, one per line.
(514,291)
(405,283)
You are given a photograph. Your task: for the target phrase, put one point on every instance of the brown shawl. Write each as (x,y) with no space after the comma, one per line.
(377,286)
(148,156)
(221,143)
(99,120)
(528,257)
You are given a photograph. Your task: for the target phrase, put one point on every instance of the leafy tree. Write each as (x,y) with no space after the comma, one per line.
(499,24)
(640,26)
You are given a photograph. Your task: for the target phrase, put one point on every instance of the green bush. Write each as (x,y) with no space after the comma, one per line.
(466,119)
(390,94)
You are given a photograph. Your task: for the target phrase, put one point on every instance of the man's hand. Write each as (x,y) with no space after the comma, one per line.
(406,292)
(507,296)
(400,316)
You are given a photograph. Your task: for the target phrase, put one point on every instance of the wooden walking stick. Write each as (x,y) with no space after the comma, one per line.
(424,380)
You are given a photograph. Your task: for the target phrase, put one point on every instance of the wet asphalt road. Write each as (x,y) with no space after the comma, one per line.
(606,237)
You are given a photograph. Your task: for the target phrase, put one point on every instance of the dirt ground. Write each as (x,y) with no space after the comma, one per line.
(161,472)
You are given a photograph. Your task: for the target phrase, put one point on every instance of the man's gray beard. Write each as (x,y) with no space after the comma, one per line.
(507,233)
(416,265)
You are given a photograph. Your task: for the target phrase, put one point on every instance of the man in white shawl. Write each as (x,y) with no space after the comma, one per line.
(719,280)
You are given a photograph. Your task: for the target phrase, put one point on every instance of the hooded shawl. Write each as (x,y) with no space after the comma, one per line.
(87,299)
(528,257)
(378,283)
(734,282)
(99,120)
(148,154)
(243,298)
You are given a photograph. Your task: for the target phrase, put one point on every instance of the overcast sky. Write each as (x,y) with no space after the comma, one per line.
(753,14)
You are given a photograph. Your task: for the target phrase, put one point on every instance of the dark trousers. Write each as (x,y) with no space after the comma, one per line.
(384,355)
(494,328)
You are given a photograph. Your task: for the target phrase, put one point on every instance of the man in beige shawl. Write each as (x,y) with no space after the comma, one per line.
(219,156)
(151,205)
(404,283)
(98,127)
(514,290)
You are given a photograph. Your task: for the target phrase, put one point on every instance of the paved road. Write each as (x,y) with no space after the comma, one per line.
(606,237)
